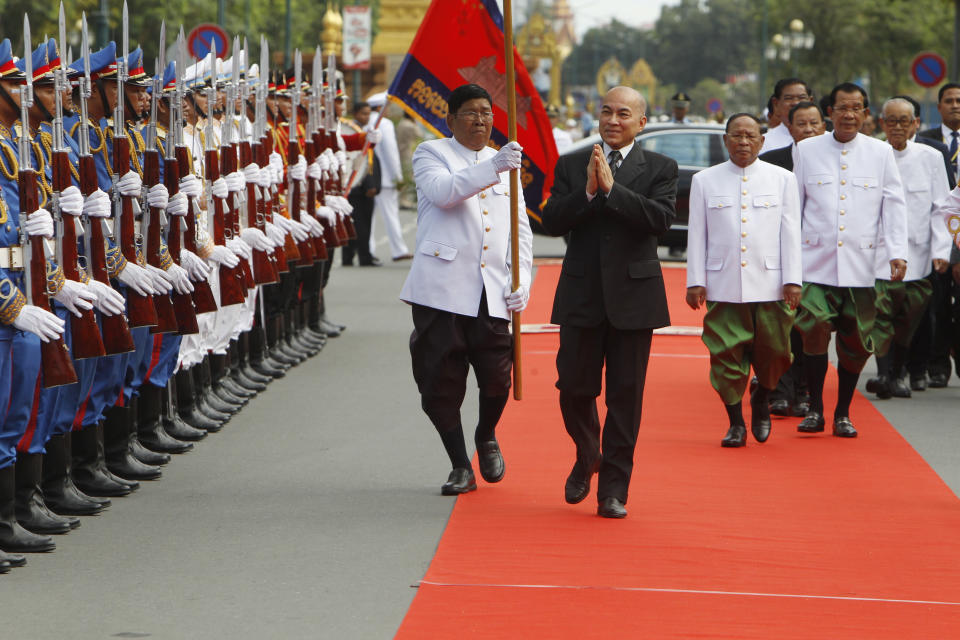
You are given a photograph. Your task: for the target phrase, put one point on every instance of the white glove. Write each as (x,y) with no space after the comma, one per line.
(374,136)
(196,267)
(190,186)
(235,181)
(130,184)
(314,171)
(509,157)
(240,248)
(275,233)
(219,188)
(158,197)
(223,256)
(162,283)
(312,225)
(327,214)
(294,228)
(299,171)
(76,297)
(97,205)
(137,278)
(39,223)
(256,239)
(277,176)
(178,205)
(340,204)
(323,161)
(276,162)
(109,301)
(341,157)
(39,322)
(251,173)
(71,201)
(180,278)
(516,300)
(264,178)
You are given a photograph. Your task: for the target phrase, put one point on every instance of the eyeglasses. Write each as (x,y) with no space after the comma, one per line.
(901,122)
(848,109)
(483,116)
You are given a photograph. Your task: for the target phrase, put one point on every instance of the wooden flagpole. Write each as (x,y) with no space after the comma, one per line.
(514,186)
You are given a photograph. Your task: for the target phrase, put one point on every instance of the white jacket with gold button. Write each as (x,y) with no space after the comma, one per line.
(463,231)
(743,242)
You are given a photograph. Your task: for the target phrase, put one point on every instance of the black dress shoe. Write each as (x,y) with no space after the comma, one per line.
(759,420)
(781,407)
(843,428)
(612,507)
(577,486)
(373,261)
(736,436)
(490,461)
(880,386)
(459,481)
(918,382)
(938,380)
(812,423)
(899,388)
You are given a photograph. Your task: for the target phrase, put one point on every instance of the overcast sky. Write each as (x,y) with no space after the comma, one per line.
(594,13)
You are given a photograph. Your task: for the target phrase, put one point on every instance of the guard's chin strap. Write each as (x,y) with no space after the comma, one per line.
(135,115)
(44,111)
(9,99)
(103,97)
(196,107)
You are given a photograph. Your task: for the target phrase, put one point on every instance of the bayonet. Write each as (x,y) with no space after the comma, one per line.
(26,99)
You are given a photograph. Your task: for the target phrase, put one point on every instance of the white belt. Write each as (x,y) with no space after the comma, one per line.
(11,258)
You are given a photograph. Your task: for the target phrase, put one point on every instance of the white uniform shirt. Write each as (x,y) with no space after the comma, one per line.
(926,187)
(743,241)
(387,153)
(463,231)
(846,191)
(776,138)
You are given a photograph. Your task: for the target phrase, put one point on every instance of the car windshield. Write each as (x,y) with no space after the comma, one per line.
(691,149)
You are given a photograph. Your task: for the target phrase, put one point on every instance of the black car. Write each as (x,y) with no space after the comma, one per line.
(693,146)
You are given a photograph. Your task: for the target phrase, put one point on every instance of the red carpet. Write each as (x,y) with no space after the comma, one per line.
(802,537)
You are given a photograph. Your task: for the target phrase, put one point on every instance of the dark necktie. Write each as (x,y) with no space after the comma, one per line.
(613,159)
(953,147)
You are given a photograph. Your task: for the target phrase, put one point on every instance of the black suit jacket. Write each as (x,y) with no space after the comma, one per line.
(782,157)
(934,139)
(611,270)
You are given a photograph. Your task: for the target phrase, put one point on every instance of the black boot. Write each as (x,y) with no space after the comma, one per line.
(8,560)
(89,468)
(171,421)
(118,433)
(13,537)
(187,404)
(218,377)
(243,374)
(150,432)
(881,384)
(228,380)
(59,492)
(259,364)
(201,390)
(274,355)
(899,386)
(32,513)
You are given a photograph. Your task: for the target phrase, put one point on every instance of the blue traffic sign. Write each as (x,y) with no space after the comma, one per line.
(714,105)
(928,69)
(201,37)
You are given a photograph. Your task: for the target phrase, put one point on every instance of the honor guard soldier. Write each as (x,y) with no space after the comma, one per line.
(852,197)
(743,260)
(679,107)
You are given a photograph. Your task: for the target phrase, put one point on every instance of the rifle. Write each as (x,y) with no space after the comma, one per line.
(141,310)
(290,251)
(203,299)
(167,319)
(228,157)
(56,365)
(231,280)
(114,330)
(307,254)
(310,151)
(87,342)
(335,180)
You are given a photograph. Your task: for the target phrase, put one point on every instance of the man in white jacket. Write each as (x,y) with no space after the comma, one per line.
(743,260)
(459,282)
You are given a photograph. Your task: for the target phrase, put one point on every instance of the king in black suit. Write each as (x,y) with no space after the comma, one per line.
(610,295)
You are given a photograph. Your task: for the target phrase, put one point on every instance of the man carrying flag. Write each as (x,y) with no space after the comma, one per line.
(460,281)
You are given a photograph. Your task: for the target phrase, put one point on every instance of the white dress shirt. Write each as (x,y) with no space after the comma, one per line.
(743,241)
(846,191)
(926,188)
(463,231)
(776,138)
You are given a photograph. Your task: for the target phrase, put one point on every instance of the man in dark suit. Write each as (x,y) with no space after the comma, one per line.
(804,120)
(614,201)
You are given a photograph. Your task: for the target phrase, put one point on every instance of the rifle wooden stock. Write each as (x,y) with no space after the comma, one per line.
(140,309)
(264,266)
(183,307)
(279,255)
(114,330)
(203,298)
(87,342)
(305,247)
(56,365)
(166,318)
(231,280)
(228,164)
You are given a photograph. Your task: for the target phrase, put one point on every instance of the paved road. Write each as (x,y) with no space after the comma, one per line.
(312,514)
